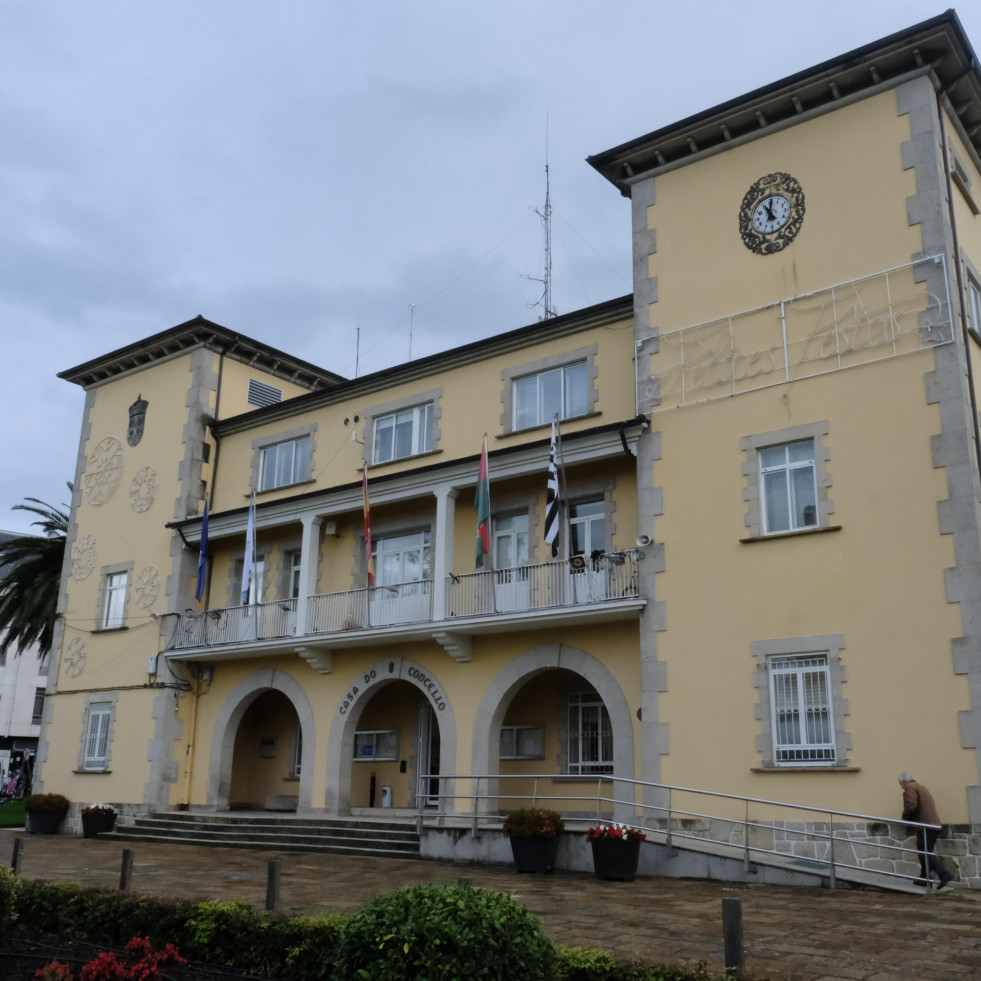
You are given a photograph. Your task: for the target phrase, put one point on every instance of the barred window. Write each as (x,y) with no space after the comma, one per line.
(800,700)
(590,735)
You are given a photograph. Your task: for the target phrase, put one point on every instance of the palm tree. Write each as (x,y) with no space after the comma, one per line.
(30,579)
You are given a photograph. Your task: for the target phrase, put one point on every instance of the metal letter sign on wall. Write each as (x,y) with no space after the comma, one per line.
(137,417)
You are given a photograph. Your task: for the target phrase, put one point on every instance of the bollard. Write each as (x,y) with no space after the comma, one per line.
(732,934)
(464,882)
(18,852)
(126,871)
(272,885)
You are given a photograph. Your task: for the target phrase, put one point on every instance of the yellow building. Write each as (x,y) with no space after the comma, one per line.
(768,581)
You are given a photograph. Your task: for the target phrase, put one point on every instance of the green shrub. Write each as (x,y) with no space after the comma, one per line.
(533,822)
(585,964)
(8,899)
(47,804)
(443,933)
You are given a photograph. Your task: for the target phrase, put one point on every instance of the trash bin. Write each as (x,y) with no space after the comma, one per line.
(386,796)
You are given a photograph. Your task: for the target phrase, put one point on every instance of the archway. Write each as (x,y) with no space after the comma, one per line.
(275,698)
(373,696)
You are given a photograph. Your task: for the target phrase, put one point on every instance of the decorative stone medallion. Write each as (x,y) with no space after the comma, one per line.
(75,658)
(84,553)
(102,473)
(144,489)
(147,586)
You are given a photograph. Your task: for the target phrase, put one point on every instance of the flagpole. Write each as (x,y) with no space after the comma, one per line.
(563,492)
(370,564)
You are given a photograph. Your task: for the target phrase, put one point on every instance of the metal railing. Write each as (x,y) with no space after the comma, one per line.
(565,582)
(667,822)
(583,580)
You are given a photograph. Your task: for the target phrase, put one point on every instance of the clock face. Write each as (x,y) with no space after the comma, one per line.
(771,214)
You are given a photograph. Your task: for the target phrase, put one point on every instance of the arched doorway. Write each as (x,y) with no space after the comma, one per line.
(394,703)
(238,727)
(266,760)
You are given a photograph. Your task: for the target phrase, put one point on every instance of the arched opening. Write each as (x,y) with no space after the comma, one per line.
(396,742)
(267,756)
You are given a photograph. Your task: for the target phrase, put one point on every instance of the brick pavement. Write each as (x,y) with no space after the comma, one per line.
(800,933)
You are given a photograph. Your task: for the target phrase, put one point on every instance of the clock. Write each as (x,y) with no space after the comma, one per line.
(771,213)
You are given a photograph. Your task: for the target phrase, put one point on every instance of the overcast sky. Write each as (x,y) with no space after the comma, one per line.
(298,170)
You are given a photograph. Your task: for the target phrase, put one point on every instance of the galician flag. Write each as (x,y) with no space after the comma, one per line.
(202,555)
(482,504)
(552,500)
(367,524)
(248,566)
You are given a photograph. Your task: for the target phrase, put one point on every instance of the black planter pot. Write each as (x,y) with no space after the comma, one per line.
(616,860)
(96,824)
(44,822)
(534,854)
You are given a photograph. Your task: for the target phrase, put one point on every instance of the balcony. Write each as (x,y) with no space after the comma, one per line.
(602,586)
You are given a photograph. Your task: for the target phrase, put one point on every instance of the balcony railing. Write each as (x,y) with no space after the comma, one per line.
(568,583)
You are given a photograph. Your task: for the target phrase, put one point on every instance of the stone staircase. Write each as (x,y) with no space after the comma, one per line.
(258,829)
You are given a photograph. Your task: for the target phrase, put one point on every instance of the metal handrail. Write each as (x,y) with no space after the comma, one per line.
(672,814)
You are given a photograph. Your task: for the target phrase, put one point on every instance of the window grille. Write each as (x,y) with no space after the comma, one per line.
(261,394)
(803,726)
(590,735)
(97,736)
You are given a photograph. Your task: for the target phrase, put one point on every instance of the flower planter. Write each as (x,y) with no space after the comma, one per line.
(44,822)
(96,824)
(616,860)
(534,854)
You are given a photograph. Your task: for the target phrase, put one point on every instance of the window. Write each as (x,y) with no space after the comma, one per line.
(38,712)
(284,463)
(380,744)
(587,527)
(95,751)
(590,735)
(787,480)
(787,486)
(511,541)
(261,394)
(402,559)
(401,434)
(561,392)
(522,743)
(801,708)
(974,305)
(562,385)
(294,575)
(114,600)
(803,728)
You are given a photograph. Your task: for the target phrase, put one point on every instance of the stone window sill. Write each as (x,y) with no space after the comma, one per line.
(805,769)
(789,534)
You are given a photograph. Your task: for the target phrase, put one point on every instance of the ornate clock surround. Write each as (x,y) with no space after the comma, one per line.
(776,185)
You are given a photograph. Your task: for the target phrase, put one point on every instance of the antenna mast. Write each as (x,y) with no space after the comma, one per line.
(545,301)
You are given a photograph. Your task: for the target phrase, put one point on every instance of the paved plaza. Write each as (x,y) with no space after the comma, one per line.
(801,933)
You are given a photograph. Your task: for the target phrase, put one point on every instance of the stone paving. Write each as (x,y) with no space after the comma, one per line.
(804,934)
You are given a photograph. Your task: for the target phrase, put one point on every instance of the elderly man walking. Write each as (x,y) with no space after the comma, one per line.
(919,805)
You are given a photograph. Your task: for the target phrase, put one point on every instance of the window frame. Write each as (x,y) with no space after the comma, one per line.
(37,712)
(100,714)
(511,377)
(789,469)
(114,593)
(421,422)
(262,444)
(513,733)
(411,403)
(973,304)
(806,749)
(392,736)
(269,462)
(576,765)
(753,471)
(767,654)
